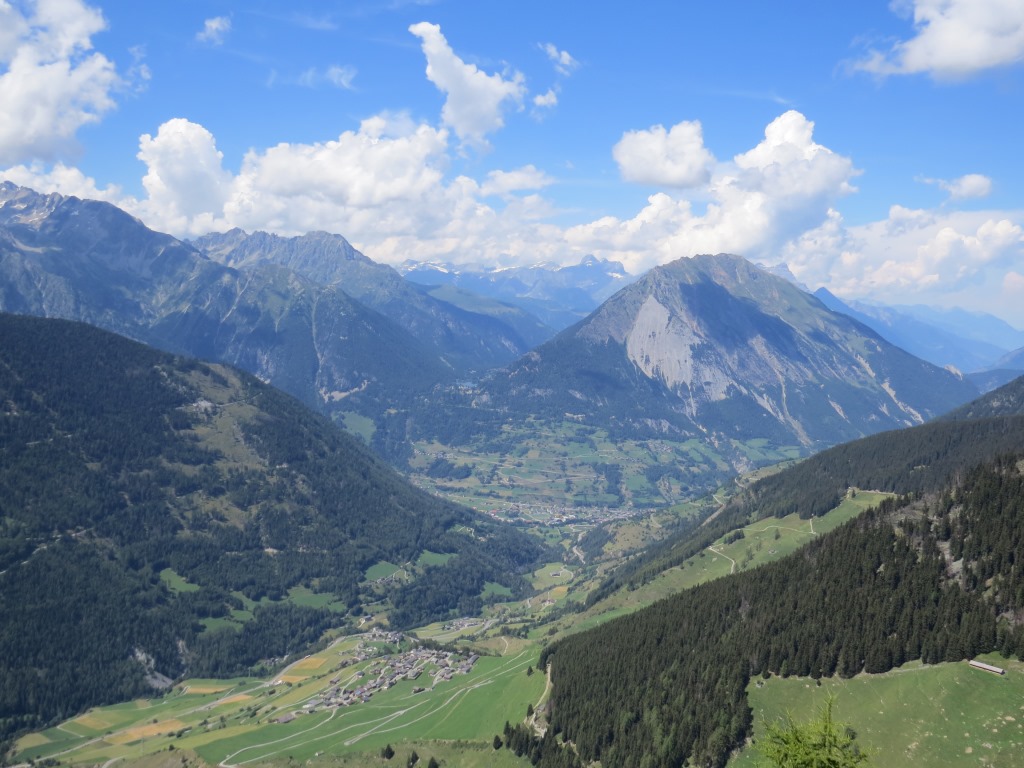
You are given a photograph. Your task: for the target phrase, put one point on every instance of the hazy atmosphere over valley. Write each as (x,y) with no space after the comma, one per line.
(447,383)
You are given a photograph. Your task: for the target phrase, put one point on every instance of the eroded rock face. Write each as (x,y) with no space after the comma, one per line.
(728,349)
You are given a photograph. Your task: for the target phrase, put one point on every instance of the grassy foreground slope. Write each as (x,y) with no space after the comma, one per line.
(941,716)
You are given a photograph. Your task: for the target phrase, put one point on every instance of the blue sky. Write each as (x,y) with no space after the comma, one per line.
(873,147)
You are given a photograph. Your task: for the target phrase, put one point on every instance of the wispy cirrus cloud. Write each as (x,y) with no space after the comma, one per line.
(339,76)
(563,61)
(214,30)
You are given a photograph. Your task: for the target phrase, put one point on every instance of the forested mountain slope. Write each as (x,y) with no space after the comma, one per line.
(120,464)
(667,684)
(1007,400)
(920,459)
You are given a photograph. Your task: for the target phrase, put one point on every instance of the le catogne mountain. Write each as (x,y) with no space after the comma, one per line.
(716,349)
(468,336)
(161,516)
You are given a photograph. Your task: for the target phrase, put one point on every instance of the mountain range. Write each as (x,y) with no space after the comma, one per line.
(715,348)
(487,334)
(88,260)
(711,349)
(161,516)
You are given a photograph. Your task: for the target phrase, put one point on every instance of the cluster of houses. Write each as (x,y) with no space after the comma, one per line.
(467,622)
(388,671)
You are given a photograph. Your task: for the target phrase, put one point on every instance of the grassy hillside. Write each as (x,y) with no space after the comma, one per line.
(943,715)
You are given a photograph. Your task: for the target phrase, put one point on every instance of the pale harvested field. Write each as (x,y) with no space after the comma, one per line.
(32,740)
(93,721)
(145,731)
(236,698)
(313,662)
(207,688)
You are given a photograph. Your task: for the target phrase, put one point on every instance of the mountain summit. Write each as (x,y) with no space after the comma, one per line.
(718,348)
(482,335)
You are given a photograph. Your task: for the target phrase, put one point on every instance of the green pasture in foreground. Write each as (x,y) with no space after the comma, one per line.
(946,715)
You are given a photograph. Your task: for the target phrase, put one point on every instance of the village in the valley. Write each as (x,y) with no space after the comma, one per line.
(438,664)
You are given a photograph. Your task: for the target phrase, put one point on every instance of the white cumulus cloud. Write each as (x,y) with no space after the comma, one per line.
(214,30)
(752,206)
(972,185)
(503,182)
(185,180)
(953,39)
(51,81)
(475,101)
(913,253)
(546,100)
(62,179)
(672,158)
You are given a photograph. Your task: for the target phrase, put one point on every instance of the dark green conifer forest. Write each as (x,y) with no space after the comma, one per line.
(667,684)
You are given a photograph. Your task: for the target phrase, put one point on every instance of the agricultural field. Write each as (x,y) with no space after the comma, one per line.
(243,722)
(946,715)
(548,471)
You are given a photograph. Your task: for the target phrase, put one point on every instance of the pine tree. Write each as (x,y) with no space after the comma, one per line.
(821,742)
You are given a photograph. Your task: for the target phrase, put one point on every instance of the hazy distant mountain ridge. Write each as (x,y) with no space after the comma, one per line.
(467,338)
(716,347)
(558,295)
(967,341)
